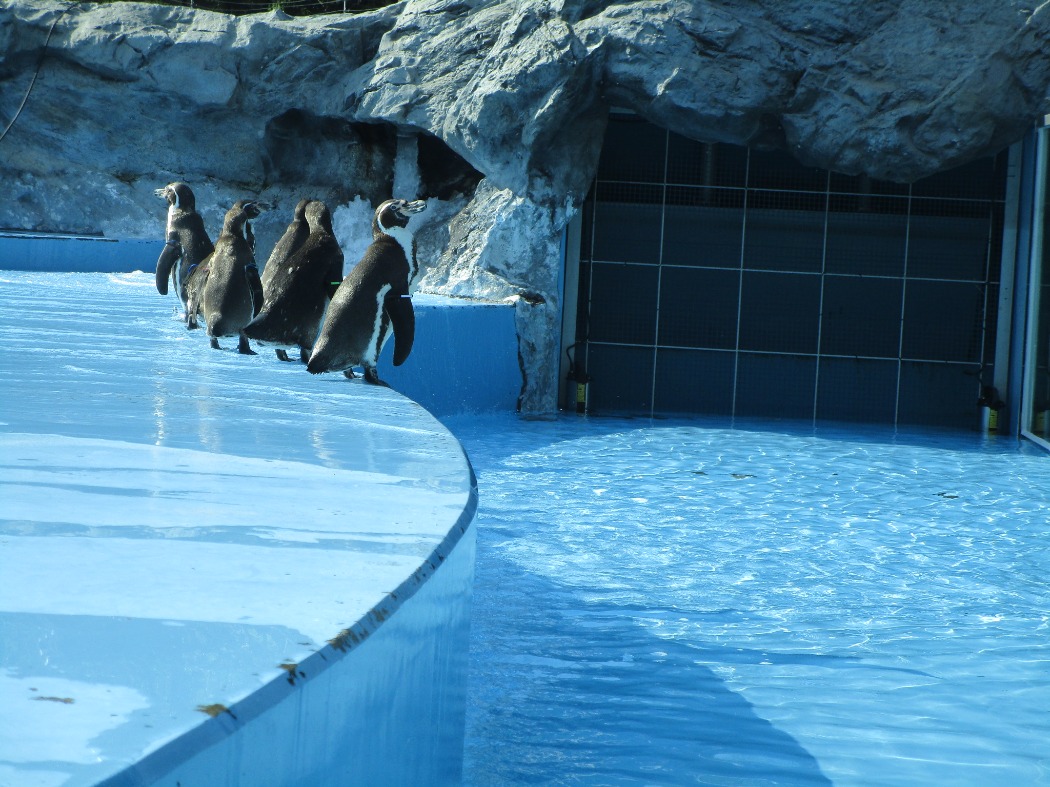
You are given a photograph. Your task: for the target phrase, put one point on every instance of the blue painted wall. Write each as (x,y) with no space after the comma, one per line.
(31,252)
(464,358)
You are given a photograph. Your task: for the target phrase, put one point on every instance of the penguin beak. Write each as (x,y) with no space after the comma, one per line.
(162,193)
(409,208)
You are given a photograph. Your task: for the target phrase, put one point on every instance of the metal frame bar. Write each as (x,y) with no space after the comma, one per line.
(1011,211)
(1036,265)
(571,238)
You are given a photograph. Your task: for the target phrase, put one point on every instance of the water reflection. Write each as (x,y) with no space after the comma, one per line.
(680,602)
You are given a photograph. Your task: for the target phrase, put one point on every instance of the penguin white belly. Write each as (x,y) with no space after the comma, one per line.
(373,348)
(177,268)
(407,242)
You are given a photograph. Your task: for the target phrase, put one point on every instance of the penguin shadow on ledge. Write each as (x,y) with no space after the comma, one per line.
(186,242)
(373,299)
(301,276)
(225,289)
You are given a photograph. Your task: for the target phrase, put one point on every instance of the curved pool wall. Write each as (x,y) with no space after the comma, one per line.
(217,568)
(464,358)
(391,713)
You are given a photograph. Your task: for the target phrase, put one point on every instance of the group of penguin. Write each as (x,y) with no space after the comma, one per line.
(301,300)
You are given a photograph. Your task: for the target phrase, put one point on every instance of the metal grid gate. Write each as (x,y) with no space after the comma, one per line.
(727,280)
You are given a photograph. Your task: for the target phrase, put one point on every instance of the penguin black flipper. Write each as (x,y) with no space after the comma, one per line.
(334,277)
(403,321)
(251,274)
(166,264)
(195,283)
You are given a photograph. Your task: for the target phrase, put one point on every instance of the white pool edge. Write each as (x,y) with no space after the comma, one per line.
(384,703)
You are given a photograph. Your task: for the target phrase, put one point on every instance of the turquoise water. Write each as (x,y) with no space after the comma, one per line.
(677,602)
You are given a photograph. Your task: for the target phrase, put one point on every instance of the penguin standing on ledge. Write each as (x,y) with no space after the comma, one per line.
(373,298)
(297,288)
(226,289)
(186,242)
(291,241)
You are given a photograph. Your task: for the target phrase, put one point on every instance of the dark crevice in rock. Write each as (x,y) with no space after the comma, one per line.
(442,172)
(770,134)
(301,149)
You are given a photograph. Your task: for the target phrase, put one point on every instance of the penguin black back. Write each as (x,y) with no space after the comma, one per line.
(293,238)
(299,289)
(226,288)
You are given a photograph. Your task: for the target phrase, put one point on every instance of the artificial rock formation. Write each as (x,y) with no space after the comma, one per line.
(494,109)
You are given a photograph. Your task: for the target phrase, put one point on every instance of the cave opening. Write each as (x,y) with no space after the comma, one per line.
(350,158)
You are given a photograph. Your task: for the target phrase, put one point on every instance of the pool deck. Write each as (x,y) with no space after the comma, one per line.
(188,537)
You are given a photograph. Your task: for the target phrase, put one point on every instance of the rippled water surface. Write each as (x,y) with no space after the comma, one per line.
(677,602)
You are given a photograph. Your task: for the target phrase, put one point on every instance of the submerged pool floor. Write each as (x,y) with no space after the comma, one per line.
(682,603)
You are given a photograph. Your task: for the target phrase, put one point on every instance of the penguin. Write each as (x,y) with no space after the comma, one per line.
(373,297)
(225,288)
(198,275)
(297,289)
(294,237)
(186,241)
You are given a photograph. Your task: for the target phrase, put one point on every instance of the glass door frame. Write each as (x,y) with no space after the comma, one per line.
(1037,269)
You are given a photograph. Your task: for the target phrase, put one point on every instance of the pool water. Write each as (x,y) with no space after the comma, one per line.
(678,602)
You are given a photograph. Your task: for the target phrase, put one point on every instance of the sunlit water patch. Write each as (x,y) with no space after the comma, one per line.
(678,602)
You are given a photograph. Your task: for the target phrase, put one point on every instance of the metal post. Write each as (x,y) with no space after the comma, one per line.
(1025,219)
(1036,270)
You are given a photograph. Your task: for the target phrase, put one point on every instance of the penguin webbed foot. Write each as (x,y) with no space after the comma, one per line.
(349,374)
(372,376)
(243,347)
(282,354)
(215,343)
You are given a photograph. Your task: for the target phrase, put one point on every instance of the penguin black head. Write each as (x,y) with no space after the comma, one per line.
(318,216)
(300,209)
(250,208)
(238,216)
(178,195)
(243,210)
(394,213)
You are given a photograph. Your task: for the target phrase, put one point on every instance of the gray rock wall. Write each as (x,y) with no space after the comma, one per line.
(497,108)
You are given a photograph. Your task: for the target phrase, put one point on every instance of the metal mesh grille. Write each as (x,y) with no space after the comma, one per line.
(719,279)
